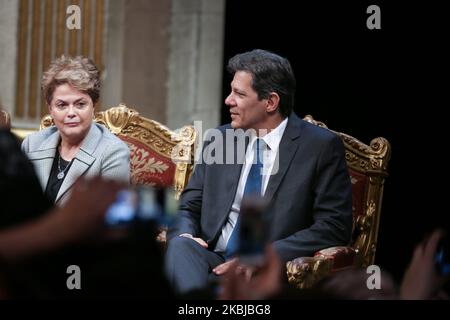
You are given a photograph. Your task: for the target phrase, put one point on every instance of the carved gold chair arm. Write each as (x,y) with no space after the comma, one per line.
(304,272)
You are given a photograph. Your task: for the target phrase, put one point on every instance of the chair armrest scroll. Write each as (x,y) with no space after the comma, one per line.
(304,272)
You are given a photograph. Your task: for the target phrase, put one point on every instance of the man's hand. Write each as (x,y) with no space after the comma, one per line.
(200,241)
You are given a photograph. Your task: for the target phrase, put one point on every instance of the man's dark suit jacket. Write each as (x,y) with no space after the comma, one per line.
(310,195)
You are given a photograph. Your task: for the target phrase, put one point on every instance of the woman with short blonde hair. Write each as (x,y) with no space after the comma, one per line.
(75,146)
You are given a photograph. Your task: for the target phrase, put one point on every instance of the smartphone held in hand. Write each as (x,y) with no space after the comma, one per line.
(140,204)
(253,231)
(442,257)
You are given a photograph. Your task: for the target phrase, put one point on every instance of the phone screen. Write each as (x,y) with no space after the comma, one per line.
(143,204)
(253,231)
(442,257)
(123,210)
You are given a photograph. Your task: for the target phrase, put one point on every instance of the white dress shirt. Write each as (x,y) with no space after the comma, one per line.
(270,166)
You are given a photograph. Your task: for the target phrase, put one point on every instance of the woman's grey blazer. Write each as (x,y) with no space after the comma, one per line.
(101,154)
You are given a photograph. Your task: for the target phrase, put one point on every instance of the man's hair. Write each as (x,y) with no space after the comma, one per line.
(270,73)
(79,72)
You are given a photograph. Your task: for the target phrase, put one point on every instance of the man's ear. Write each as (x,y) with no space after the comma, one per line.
(273,102)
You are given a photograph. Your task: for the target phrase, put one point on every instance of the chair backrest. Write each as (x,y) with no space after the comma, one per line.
(159,156)
(367,165)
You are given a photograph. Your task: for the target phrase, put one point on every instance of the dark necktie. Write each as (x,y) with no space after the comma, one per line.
(252,189)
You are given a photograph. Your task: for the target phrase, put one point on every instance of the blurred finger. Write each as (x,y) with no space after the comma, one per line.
(228,289)
(224,267)
(432,243)
(248,273)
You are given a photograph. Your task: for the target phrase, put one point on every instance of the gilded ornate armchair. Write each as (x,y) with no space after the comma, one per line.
(367,165)
(159,156)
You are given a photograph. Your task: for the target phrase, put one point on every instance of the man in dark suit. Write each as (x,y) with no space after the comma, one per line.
(305,180)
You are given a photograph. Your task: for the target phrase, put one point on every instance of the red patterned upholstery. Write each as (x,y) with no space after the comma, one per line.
(147,166)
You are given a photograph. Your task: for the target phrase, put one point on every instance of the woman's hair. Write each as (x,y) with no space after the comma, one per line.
(79,72)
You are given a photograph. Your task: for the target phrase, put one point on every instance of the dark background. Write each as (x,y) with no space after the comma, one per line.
(367,83)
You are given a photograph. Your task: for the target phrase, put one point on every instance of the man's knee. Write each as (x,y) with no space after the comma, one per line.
(180,245)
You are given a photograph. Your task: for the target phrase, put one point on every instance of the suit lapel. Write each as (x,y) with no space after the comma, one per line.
(232,173)
(80,165)
(82,161)
(43,165)
(43,158)
(288,148)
